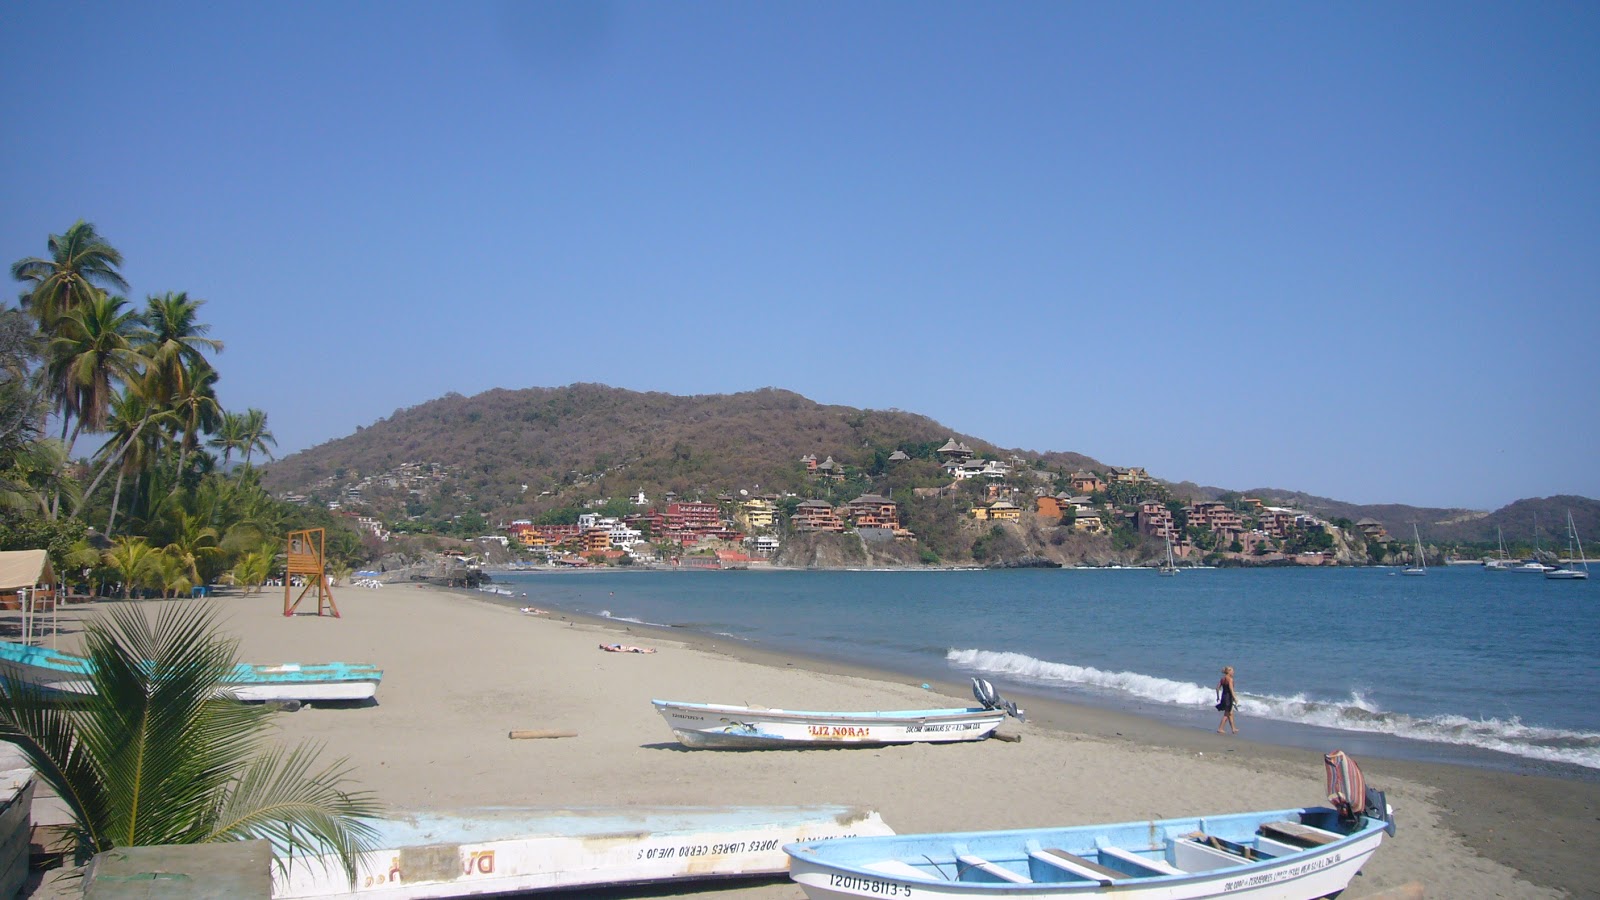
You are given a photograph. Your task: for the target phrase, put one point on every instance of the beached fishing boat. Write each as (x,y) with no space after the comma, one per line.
(281,682)
(1285,854)
(505,851)
(717,727)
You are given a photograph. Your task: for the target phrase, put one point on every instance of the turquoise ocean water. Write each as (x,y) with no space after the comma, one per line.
(1493,669)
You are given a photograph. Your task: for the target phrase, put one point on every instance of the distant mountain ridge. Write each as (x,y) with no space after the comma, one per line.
(519,452)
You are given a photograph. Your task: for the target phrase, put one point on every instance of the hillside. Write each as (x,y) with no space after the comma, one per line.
(509,454)
(519,453)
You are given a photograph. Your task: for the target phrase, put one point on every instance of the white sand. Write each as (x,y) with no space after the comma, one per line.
(461,672)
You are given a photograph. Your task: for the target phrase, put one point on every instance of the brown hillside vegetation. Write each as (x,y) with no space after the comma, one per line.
(590,441)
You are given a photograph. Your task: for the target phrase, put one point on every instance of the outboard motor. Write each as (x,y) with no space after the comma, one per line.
(991,699)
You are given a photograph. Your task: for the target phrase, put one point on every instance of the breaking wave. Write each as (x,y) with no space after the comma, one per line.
(1355,713)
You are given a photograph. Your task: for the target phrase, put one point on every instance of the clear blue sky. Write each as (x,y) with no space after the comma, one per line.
(1346,248)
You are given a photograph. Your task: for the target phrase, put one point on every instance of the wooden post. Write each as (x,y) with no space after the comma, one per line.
(305,557)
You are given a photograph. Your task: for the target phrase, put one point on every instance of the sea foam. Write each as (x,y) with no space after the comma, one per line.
(1354,713)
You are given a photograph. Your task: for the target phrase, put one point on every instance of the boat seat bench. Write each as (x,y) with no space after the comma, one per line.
(1154,865)
(989,868)
(1296,833)
(1077,865)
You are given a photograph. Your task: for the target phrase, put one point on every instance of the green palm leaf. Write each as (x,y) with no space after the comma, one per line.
(155,756)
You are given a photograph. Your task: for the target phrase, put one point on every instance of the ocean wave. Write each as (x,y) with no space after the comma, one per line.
(1354,713)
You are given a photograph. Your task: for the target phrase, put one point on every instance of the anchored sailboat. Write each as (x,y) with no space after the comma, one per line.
(1567,572)
(1421,565)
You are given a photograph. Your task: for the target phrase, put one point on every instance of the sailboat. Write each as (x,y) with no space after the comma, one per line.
(1169,567)
(1533,566)
(1421,567)
(1502,564)
(1567,572)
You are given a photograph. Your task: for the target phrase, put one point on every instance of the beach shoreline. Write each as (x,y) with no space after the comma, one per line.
(464,669)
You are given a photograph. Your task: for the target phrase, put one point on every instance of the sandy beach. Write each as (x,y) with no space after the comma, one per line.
(461,671)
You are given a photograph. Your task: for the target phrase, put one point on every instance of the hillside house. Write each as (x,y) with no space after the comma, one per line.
(1216,517)
(1089,522)
(815,515)
(874,511)
(1373,530)
(1130,475)
(998,511)
(758,512)
(1154,519)
(898,456)
(829,469)
(953,450)
(1087,483)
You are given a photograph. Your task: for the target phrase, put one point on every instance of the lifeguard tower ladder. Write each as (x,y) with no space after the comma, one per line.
(305,558)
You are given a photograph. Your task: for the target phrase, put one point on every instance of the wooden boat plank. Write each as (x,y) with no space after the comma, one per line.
(1155,865)
(995,869)
(1077,865)
(1296,833)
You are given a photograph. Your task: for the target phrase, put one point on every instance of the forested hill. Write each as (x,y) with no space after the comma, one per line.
(590,441)
(508,453)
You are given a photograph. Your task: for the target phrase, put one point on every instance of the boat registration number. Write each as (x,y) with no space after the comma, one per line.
(1284,874)
(869,886)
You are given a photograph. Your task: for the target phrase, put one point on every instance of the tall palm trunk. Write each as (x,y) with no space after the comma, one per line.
(116,499)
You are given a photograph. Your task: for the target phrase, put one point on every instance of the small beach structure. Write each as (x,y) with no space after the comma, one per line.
(1285,854)
(509,850)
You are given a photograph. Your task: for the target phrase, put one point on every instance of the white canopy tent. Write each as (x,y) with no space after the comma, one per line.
(28,574)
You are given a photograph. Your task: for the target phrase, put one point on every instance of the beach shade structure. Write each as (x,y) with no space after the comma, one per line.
(27,582)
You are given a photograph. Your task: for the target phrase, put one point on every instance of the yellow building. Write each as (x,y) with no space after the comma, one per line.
(758,512)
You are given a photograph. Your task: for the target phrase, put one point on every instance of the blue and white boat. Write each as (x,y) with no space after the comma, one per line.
(509,850)
(281,682)
(1284,854)
(716,726)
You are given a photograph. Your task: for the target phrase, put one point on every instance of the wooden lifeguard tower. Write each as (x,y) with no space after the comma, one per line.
(305,558)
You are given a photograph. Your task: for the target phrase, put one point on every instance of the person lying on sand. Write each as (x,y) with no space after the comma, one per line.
(534,611)
(624,648)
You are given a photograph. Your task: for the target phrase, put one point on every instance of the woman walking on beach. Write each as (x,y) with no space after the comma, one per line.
(1226,702)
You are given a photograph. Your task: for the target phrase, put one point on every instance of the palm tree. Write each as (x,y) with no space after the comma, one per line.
(80,263)
(192,541)
(230,435)
(195,407)
(92,350)
(137,430)
(173,339)
(256,435)
(155,756)
(132,559)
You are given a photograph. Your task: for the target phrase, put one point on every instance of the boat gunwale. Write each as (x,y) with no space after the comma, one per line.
(892,716)
(1371,828)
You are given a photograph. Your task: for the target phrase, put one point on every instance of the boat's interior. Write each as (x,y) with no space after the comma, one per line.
(1190,853)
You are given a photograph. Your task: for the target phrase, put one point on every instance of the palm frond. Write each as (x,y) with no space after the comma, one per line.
(302,812)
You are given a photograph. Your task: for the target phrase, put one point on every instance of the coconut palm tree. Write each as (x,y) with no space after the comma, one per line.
(89,355)
(80,264)
(196,410)
(132,559)
(230,435)
(192,541)
(256,436)
(174,340)
(137,430)
(155,756)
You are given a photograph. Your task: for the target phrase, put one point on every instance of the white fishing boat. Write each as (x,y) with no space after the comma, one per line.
(280,682)
(1421,565)
(719,727)
(1574,552)
(498,851)
(1282,854)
